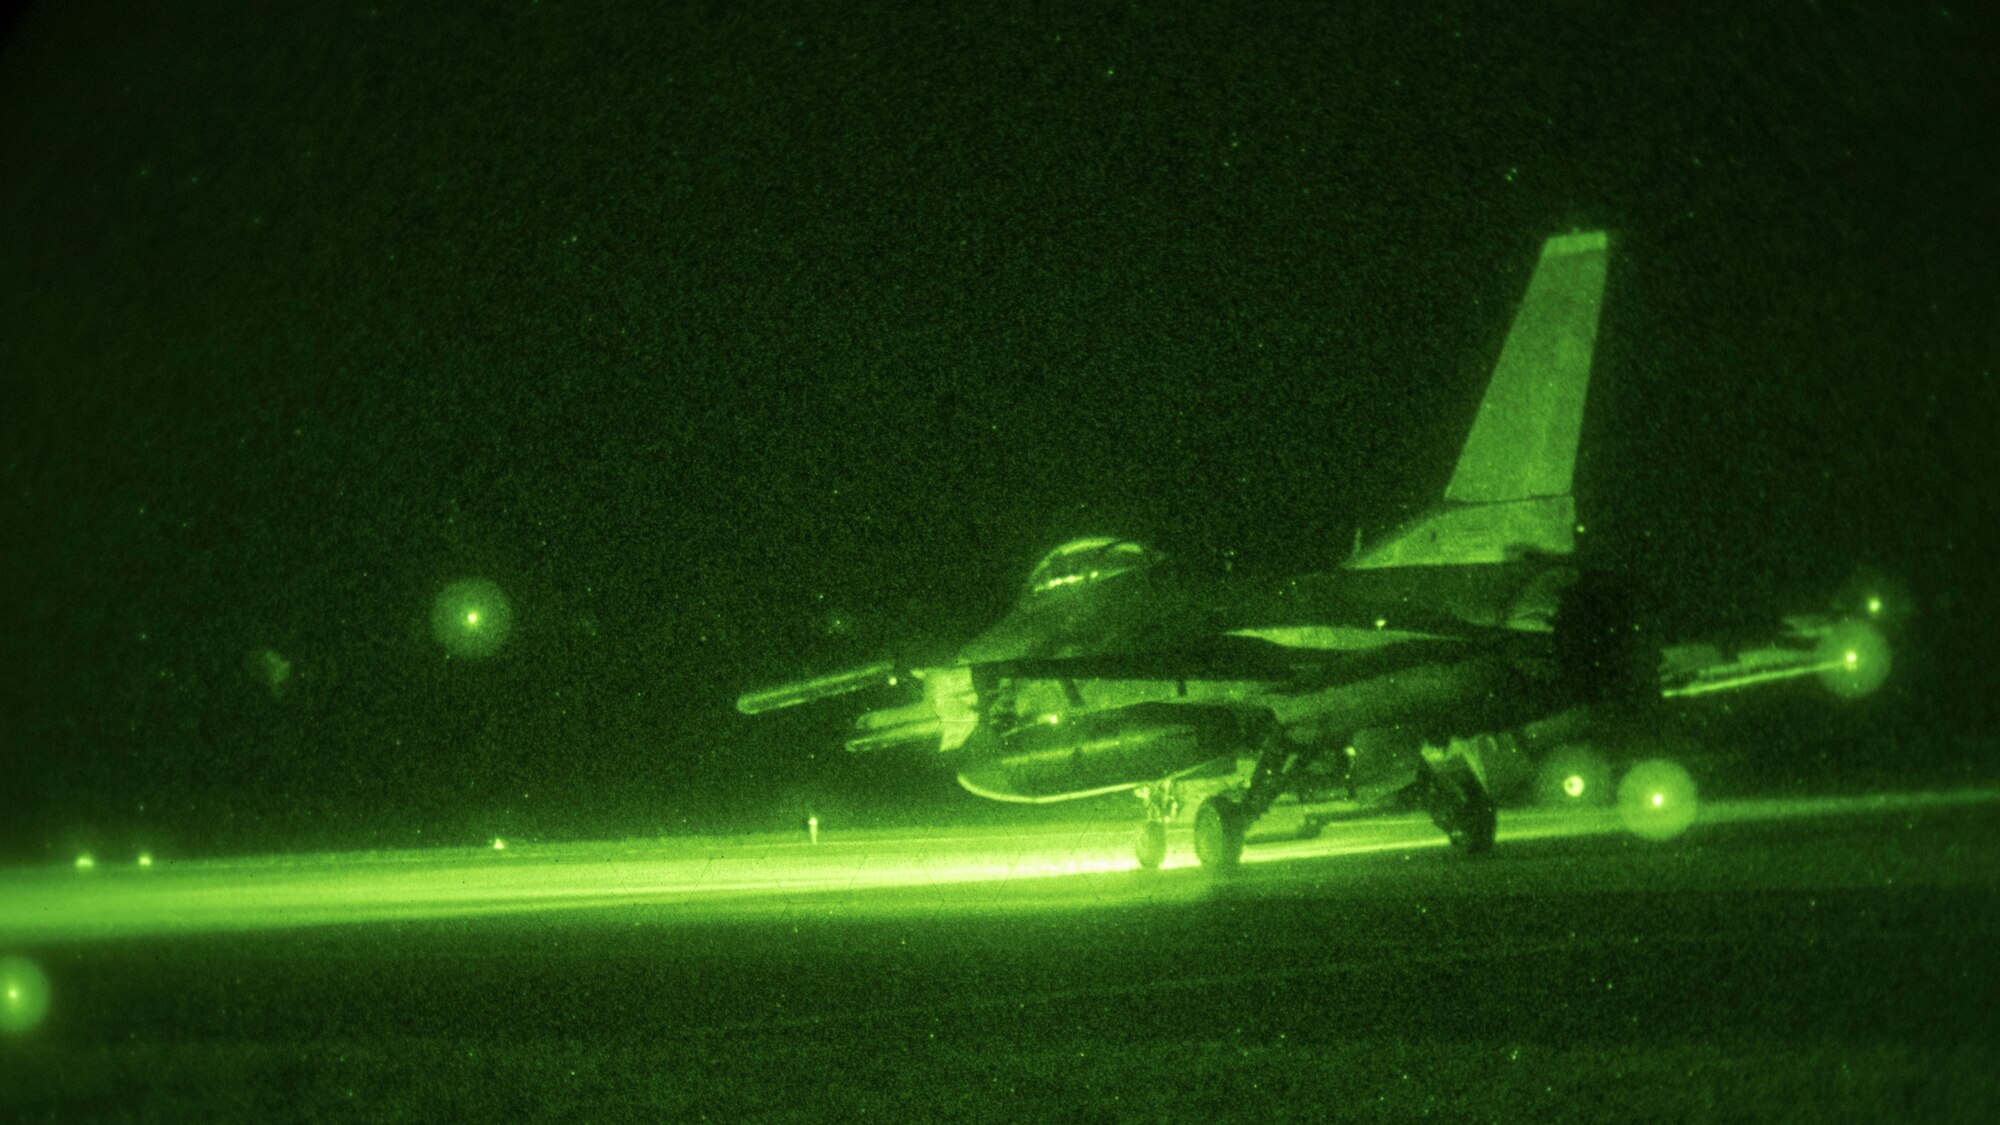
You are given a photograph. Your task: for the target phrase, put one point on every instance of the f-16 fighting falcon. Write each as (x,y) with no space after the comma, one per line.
(1428,670)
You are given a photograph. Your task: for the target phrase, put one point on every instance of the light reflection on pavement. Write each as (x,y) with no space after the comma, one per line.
(1033,867)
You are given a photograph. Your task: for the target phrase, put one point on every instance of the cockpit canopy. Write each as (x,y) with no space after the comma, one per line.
(1082,562)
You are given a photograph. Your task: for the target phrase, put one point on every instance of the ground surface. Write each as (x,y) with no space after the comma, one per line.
(1785,959)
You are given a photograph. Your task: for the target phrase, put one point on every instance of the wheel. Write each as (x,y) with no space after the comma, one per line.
(1151,847)
(1478,822)
(1462,810)
(1218,833)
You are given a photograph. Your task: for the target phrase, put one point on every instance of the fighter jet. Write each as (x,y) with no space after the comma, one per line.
(1409,676)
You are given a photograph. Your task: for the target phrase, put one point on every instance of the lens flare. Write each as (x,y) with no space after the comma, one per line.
(471,618)
(1573,775)
(24,995)
(1855,659)
(1656,800)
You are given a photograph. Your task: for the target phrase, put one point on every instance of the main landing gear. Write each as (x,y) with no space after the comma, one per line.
(1449,785)
(1161,805)
(1450,789)
(1218,832)
(1222,820)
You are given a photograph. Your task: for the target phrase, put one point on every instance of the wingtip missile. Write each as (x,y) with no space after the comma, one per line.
(817,688)
(1849,655)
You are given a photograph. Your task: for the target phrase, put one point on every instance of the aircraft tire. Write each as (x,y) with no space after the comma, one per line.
(1478,823)
(1151,846)
(1218,833)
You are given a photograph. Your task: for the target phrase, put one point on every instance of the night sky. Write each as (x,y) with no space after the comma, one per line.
(742,340)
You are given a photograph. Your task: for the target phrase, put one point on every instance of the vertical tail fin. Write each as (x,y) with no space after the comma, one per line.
(1511,491)
(1523,445)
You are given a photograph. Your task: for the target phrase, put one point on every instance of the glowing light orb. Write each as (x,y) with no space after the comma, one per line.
(1656,800)
(24,995)
(269,667)
(145,859)
(86,862)
(1575,774)
(499,844)
(1855,659)
(471,618)
(1874,605)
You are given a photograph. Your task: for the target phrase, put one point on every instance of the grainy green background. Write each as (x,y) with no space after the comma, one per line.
(741,340)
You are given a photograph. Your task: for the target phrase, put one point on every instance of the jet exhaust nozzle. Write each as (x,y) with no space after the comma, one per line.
(817,688)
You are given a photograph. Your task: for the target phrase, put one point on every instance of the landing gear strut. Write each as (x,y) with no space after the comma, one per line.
(1459,805)
(1161,805)
(1223,819)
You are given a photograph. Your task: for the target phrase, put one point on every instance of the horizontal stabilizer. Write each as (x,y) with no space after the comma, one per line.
(1478,533)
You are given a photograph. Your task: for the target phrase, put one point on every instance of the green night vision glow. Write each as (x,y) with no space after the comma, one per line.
(1853,658)
(471,618)
(270,668)
(1656,800)
(1572,775)
(879,871)
(24,995)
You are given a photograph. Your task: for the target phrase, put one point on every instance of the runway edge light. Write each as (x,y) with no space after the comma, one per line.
(1656,800)
(24,995)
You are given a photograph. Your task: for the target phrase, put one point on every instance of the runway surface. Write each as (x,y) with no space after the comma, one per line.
(1832,958)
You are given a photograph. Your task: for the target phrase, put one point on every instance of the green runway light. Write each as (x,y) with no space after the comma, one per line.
(471,618)
(1572,775)
(26,995)
(876,871)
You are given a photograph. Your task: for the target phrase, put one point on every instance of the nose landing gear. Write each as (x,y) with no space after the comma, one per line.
(1161,805)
